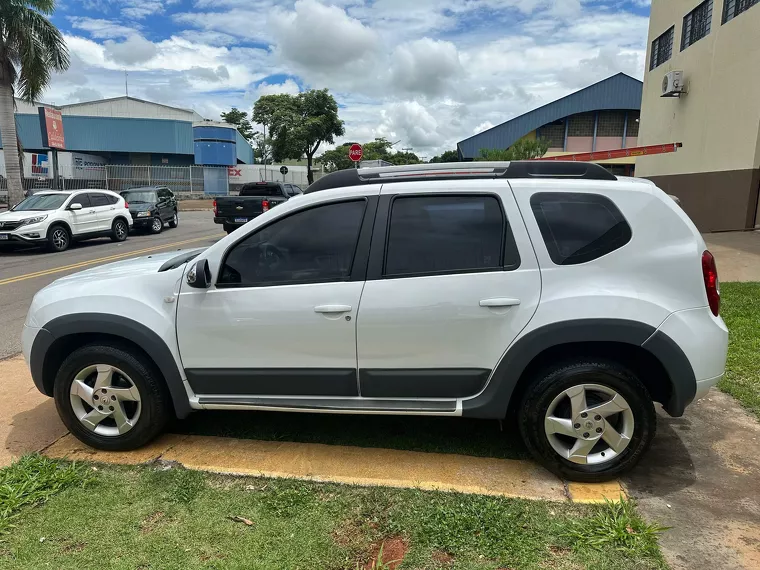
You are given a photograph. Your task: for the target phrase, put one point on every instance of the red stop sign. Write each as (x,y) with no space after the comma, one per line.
(356,152)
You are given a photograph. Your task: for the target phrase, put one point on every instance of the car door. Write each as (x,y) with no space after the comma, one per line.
(85,220)
(450,285)
(101,203)
(280,318)
(164,204)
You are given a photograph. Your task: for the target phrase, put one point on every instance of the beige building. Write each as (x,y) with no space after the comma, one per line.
(716,44)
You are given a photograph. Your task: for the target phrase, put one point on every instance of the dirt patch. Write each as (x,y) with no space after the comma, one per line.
(348,533)
(443,558)
(151,522)
(71,547)
(387,555)
(743,539)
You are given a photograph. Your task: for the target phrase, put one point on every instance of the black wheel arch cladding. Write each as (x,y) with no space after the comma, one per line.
(494,401)
(113,326)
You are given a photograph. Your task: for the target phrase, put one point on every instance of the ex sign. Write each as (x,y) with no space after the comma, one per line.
(356,152)
(51,125)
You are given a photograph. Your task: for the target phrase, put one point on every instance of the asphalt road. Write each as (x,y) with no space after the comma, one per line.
(24,272)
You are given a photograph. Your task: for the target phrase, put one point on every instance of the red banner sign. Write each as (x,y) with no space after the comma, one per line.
(52,128)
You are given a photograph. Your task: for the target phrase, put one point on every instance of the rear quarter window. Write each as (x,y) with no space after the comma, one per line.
(578,228)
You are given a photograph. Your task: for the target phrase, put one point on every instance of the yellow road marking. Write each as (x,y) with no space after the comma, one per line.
(103,259)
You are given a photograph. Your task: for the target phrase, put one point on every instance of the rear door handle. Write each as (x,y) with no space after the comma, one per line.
(92,212)
(332,309)
(499,302)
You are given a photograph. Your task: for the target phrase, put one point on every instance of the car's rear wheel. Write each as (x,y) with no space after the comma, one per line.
(119,230)
(111,398)
(588,420)
(157,225)
(174,222)
(59,239)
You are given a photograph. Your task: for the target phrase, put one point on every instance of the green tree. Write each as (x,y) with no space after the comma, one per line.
(524,149)
(240,119)
(448,156)
(30,47)
(336,159)
(299,124)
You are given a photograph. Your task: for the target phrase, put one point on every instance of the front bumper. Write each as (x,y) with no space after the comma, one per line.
(142,222)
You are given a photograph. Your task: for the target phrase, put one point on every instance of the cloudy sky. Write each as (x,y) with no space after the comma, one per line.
(426,72)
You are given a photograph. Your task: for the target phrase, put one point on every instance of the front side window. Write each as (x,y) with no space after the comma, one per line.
(311,246)
(445,234)
(578,228)
(81,199)
(41,203)
(696,24)
(662,49)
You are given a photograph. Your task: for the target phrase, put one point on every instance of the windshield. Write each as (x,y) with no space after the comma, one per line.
(140,196)
(41,202)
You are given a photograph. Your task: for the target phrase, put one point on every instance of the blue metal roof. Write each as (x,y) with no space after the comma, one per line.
(117,134)
(619,92)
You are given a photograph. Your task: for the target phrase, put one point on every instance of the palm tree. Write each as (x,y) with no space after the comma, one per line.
(30,46)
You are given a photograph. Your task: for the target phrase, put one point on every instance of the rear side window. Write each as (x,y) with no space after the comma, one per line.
(446,234)
(98,199)
(112,199)
(578,228)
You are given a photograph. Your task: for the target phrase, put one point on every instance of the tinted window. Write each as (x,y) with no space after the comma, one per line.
(261,189)
(112,199)
(297,190)
(98,199)
(444,234)
(288,189)
(311,246)
(140,196)
(579,227)
(83,199)
(164,194)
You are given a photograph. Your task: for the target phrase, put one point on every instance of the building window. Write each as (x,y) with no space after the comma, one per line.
(611,124)
(554,134)
(581,125)
(633,124)
(732,8)
(662,49)
(696,24)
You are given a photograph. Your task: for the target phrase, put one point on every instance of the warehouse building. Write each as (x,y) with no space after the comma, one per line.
(702,88)
(603,116)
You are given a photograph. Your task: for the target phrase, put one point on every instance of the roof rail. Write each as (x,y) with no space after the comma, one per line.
(459,170)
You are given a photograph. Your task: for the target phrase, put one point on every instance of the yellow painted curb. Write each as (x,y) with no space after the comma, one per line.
(348,465)
(595,492)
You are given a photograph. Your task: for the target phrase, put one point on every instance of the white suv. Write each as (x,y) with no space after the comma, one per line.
(56,218)
(552,293)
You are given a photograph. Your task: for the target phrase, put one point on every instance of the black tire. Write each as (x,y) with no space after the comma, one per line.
(157,225)
(228,229)
(58,238)
(551,382)
(119,230)
(154,412)
(174,221)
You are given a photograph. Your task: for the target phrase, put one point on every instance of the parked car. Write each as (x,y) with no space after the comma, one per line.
(151,207)
(253,200)
(56,218)
(552,293)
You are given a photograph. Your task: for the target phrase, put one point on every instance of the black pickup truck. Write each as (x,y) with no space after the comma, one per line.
(253,200)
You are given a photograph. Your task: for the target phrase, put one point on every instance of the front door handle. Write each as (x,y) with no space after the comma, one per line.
(92,212)
(332,309)
(499,302)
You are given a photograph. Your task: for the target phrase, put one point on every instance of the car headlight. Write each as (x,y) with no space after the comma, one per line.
(34,220)
(143,214)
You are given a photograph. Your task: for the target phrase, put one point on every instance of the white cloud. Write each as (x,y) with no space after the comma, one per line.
(482,127)
(288,87)
(135,49)
(82,94)
(425,66)
(99,28)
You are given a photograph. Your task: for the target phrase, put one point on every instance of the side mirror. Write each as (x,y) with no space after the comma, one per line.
(75,206)
(199,275)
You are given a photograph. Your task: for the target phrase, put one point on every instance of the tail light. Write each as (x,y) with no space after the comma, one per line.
(265,205)
(712,284)
(126,204)
(216,209)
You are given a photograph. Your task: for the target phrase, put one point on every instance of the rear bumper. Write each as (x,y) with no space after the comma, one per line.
(231,221)
(703,386)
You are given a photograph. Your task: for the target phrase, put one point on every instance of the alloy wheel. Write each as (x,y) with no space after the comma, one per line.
(60,238)
(121,230)
(105,400)
(589,424)
(157,224)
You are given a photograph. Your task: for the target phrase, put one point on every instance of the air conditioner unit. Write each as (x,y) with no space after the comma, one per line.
(673,85)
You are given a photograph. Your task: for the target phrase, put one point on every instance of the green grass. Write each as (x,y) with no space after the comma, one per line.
(740,308)
(33,480)
(153,517)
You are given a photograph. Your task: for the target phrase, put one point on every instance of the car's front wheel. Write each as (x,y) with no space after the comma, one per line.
(59,239)
(157,225)
(111,398)
(588,420)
